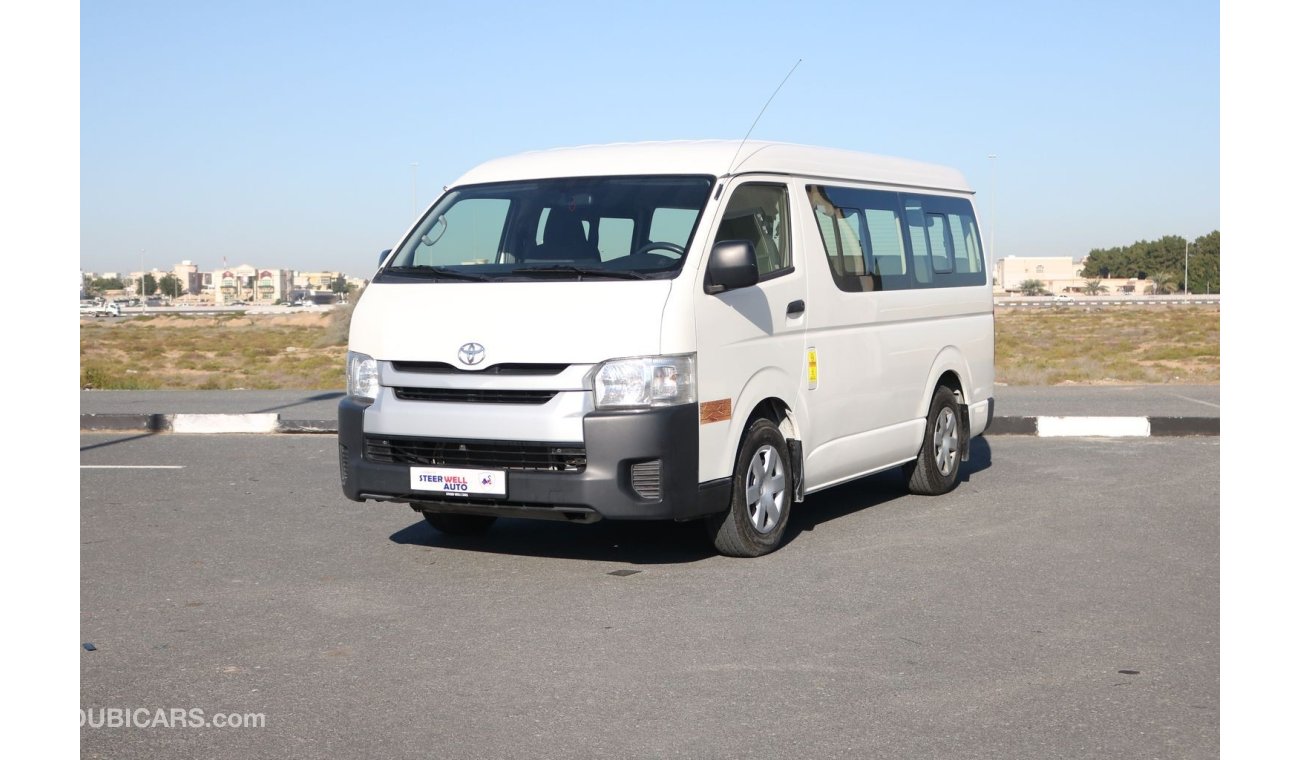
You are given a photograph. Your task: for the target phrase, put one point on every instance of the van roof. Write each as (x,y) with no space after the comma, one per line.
(715,157)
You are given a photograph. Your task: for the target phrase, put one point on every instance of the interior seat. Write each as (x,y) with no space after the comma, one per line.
(563,239)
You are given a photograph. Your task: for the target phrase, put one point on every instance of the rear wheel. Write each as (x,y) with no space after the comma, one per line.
(935,469)
(459,525)
(761,493)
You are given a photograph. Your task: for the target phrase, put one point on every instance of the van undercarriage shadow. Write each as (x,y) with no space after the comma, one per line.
(865,493)
(661,543)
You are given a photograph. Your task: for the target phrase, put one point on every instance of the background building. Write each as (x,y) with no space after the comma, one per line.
(252,285)
(1054,272)
(188,273)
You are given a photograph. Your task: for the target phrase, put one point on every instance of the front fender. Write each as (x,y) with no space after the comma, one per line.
(718,447)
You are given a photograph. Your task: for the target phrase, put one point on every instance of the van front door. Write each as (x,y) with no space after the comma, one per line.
(750,340)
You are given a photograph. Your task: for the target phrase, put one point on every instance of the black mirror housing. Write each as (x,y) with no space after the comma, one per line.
(733,264)
(383,255)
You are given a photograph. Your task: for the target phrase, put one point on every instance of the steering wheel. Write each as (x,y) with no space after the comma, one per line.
(677,249)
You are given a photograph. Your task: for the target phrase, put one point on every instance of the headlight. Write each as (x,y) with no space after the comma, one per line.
(363,376)
(645,381)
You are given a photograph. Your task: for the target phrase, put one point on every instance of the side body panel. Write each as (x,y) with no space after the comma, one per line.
(880,354)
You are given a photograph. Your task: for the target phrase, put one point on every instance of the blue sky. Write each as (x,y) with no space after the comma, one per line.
(282,135)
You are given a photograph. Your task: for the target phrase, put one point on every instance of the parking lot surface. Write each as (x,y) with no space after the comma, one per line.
(1062,602)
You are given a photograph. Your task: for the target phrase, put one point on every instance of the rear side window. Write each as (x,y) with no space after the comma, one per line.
(881,240)
(945,227)
(914,213)
(966,246)
(936,229)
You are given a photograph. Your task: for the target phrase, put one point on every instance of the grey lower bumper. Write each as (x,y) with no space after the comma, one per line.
(603,489)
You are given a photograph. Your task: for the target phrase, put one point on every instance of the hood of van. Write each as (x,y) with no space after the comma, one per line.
(515,322)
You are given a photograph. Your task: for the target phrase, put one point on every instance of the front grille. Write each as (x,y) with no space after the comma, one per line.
(474,396)
(443,368)
(646,478)
(491,455)
(343,464)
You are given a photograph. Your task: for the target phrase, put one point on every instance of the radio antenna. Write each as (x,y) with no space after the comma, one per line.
(760,115)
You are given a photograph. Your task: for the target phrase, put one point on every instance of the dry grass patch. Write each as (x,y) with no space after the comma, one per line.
(306,351)
(211,352)
(1108,345)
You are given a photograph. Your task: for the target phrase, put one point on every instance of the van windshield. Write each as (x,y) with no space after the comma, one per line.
(583,228)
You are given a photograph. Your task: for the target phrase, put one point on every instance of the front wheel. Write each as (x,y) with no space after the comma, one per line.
(934,471)
(761,493)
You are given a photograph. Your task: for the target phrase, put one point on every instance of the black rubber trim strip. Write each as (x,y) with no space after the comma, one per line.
(144,423)
(1013,426)
(1169,426)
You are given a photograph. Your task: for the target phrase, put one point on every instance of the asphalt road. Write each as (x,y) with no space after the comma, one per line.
(1061,603)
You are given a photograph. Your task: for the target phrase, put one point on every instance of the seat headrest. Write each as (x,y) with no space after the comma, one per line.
(563,228)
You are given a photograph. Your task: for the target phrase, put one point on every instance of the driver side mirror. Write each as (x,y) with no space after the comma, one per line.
(732,265)
(383,255)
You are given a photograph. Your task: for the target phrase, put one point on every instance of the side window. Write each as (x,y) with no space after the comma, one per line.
(886,236)
(936,226)
(916,233)
(863,236)
(760,214)
(843,236)
(965,244)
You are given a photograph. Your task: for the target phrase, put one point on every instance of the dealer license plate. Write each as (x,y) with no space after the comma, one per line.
(450,481)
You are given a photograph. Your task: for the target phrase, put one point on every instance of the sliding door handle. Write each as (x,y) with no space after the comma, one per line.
(794,308)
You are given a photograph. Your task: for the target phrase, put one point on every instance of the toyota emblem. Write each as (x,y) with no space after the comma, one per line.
(471,353)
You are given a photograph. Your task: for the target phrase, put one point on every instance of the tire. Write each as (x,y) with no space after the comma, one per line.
(934,471)
(762,490)
(459,525)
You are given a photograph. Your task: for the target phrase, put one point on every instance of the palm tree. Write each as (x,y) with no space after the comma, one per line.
(1094,287)
(1161,282)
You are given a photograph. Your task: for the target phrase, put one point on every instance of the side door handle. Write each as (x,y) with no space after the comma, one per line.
(794,308)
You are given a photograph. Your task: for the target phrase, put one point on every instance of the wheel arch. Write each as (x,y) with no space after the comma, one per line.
(949,369)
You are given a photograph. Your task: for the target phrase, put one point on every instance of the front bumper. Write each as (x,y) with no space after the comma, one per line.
(614,441)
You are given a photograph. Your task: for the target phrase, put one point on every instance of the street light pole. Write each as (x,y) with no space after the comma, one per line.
(1187,244)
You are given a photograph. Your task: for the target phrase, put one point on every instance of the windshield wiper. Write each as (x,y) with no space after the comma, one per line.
(423,269)
(561,269)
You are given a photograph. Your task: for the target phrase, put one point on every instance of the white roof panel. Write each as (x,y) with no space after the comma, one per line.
(718,158)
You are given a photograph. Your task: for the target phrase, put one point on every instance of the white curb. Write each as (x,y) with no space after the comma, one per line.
(225,423)
(1110,427)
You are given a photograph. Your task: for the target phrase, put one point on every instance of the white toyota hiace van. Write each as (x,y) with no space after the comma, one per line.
(672,330)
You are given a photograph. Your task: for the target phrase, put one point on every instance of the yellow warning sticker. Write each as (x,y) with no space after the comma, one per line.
(812,368)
